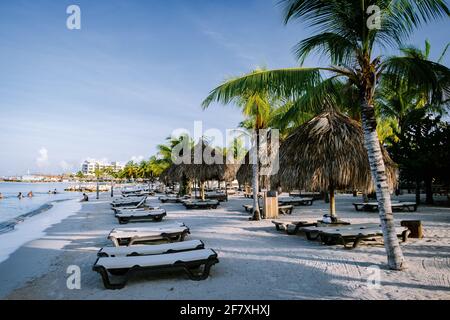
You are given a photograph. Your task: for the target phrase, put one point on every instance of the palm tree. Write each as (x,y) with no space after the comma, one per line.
(256,106)
(350,42)
(399,104)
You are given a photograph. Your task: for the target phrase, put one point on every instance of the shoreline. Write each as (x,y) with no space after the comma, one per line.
(253,257)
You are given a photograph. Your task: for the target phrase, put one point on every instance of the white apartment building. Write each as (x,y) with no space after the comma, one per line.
(89,166)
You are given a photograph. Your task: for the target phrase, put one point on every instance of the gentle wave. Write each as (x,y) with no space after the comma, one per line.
(9,225)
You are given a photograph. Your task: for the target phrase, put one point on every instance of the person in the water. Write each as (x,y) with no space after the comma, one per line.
(1,196)
(30,194)
(20,195)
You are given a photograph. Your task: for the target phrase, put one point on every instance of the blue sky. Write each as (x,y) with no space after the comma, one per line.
(136,71)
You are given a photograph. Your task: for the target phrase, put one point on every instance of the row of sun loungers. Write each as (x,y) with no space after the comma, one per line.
(157,247)
(192,203)
(141,249)
(396,206)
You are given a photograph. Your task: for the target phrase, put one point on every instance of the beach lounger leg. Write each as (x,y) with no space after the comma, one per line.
(292,232)
(357,241)
(405,235)
(203,274)
(107,282)
(310,237)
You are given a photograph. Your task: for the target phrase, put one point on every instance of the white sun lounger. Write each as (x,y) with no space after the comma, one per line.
(313,232)
(145,250)
(395,205)
(200,204)
(357,235)
(188,261)
(129,237)
(130,209)
(145,215)
(282,225)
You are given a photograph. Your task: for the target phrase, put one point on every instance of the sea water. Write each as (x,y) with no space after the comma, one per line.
(26,219)
(13,209)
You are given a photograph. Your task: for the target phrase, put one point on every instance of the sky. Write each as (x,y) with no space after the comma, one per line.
(135,72)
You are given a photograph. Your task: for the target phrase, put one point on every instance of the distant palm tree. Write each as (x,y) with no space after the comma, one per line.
(347,38)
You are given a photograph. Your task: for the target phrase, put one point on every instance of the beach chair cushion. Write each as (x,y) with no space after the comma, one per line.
(132,236)
(145,250)
(187,261)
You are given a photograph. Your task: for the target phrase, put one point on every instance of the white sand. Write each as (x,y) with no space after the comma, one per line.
(256,261)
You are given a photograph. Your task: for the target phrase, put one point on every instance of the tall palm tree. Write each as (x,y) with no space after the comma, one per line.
(346,37)
(256,107)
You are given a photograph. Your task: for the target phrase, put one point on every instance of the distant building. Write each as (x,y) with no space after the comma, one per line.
(32,178)
(88,167)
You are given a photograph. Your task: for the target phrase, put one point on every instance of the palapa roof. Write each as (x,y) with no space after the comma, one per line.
(172,174)
(329,149)
(206,163)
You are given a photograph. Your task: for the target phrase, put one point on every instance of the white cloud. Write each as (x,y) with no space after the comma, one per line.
(42,159)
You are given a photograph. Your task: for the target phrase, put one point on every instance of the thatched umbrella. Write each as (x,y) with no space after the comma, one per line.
(328,153)
(172,174)
(208,163)
(244,174)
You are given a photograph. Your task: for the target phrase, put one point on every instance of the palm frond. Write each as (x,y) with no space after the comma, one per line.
(431,77)
(282,82)
(339,49)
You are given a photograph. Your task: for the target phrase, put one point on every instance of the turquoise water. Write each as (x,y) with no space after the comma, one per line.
(11,207)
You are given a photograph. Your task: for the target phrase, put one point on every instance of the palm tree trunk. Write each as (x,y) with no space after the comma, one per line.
(417,191)
(394,253)
(255,180)
(332,202)
(429,190)
(202,190)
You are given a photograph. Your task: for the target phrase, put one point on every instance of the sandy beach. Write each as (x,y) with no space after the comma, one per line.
(256,261)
